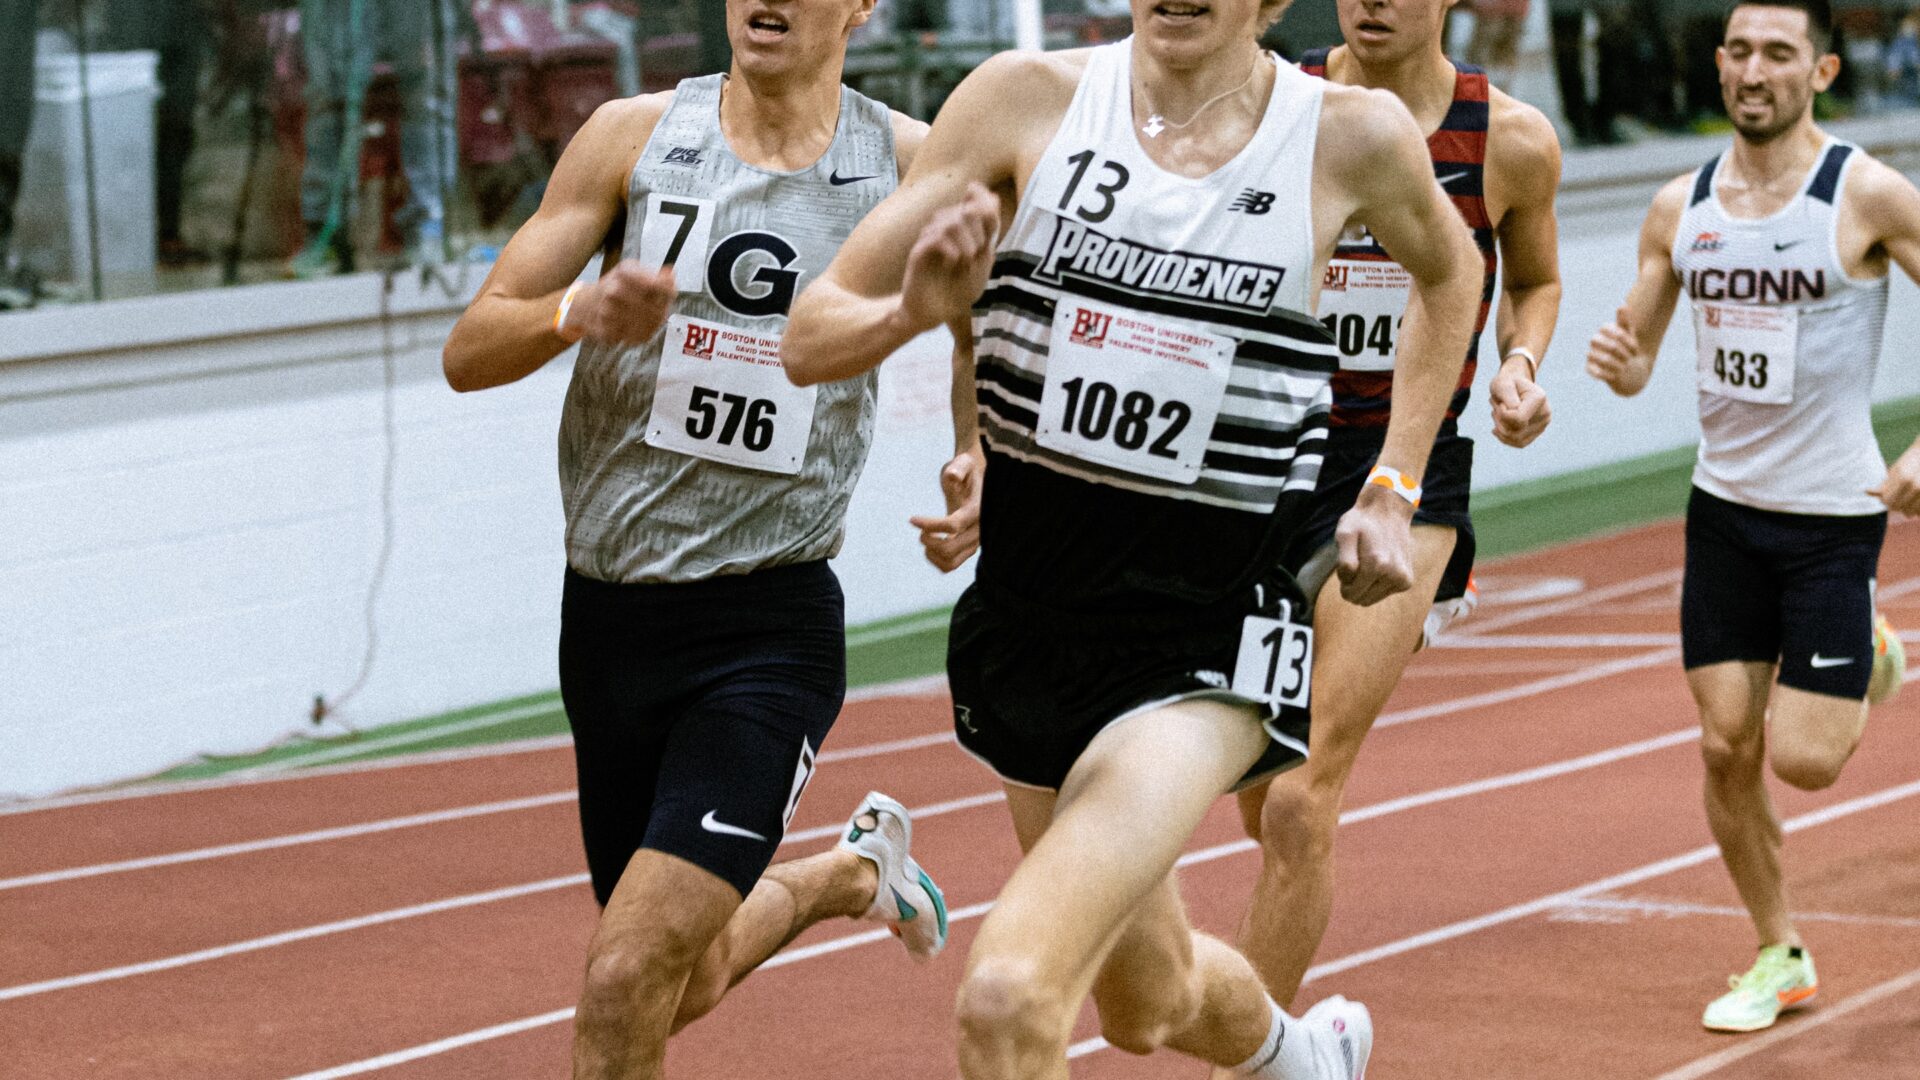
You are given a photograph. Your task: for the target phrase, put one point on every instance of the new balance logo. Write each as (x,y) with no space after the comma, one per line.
(684,155)
(1252,202)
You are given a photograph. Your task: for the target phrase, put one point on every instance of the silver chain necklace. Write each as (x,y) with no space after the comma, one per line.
(1157,123)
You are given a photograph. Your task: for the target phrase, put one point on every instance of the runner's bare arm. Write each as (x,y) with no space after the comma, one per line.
(1524,160)
(921,257)
(1621,354)
(507,333)
(1889,200)
(1377,170)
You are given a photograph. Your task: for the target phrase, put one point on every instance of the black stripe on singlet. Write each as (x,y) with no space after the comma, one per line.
(1826,183)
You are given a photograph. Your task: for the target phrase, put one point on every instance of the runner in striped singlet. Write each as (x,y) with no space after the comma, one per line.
(1140,231)
(1499,162)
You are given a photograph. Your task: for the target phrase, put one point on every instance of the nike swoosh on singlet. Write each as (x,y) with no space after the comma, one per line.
(1791,243)
(841,181)
(1446,180)
(714,825)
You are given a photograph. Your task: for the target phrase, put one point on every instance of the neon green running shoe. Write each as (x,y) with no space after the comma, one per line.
(1781,979)
(1889,662)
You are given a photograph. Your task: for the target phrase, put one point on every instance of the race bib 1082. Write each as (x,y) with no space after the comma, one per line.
(1132,391)
(723,396)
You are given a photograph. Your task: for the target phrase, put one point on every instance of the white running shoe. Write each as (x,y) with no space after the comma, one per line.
(907,900)
(1445,613)
(1342,1036)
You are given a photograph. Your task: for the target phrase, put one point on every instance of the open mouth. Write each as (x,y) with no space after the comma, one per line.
(1372,28)
(766,26)
(1181,13)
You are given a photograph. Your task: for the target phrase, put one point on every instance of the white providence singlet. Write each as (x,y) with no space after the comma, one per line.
(1153,386)
(1788,345)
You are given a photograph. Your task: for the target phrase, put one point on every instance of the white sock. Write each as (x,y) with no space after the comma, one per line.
(1284,1055)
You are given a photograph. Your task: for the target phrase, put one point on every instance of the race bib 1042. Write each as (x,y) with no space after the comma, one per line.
(723,396)
(1747,353)
(1132,391)
(1361,305)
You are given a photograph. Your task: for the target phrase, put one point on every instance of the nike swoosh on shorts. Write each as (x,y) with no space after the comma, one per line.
(1830,661)
(715,825)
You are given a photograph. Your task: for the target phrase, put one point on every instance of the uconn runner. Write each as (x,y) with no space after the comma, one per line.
(1139,231)
(1784,245)
(1499,162)
(702,652)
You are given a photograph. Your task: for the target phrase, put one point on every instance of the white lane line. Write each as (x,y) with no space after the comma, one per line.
(271,843)
(299,768)
(289,937)
(409,821)
(1676,910)
(1614,883)
(401,1057)
(1528,689)
(1750,1045)
(1556,641)
(1575,603)
(1192,858)
(1548,903)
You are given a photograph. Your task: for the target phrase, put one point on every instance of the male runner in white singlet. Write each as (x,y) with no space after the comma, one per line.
(1784,246)
(1140,231)
(702,643)
(1499,161)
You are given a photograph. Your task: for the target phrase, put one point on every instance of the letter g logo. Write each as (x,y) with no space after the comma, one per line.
(771,286)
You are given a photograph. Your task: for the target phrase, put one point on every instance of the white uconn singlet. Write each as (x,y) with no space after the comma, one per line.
(1787,348)
(1153,388)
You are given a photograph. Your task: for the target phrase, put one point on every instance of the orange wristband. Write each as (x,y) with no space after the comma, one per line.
(1397,482)
(560,314)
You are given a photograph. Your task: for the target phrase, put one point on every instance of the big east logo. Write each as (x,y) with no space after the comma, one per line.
(1706,241)
(700,342)
(1713,317)
(1090,328)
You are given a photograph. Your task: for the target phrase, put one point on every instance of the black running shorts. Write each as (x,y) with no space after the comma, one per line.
(1444,500)
(1793,589)
(1032,688)
(697,710)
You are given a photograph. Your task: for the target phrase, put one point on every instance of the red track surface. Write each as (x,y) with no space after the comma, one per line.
(1605,984)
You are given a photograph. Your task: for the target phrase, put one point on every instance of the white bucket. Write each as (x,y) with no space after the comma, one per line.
(56,222)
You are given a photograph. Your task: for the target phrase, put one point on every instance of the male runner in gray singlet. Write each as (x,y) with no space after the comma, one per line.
(702,652)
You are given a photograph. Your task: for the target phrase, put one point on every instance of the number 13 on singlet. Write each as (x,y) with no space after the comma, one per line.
(1276,660)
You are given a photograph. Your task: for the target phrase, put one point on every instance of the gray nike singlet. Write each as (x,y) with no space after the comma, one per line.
(688,456)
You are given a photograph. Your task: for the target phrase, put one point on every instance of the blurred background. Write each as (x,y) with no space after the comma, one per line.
(178,144)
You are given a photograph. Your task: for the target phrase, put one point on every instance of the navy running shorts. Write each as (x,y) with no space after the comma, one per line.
(1032,687)
(1789,589)
(697,709)
(1444,500)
